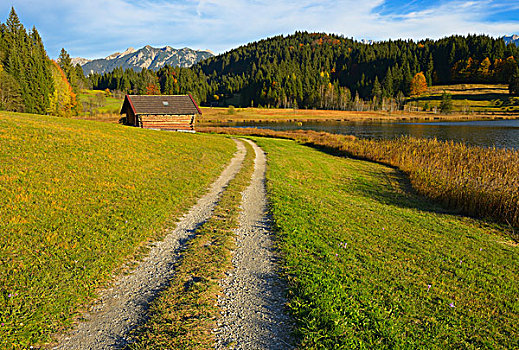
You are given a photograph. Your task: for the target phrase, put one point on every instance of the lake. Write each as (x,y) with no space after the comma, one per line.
(487,133)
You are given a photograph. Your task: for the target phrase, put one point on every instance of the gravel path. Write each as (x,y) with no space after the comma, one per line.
(254,296)
(123,306)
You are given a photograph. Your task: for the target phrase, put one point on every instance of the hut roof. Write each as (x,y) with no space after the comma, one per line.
(161,104)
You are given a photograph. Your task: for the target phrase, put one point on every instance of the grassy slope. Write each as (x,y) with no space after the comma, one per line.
(361,253)
(472,98)
(76,199)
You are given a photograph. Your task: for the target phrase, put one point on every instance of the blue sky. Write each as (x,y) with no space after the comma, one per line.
(97,28)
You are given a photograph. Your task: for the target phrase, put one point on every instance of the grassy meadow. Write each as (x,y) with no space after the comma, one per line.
(372,265)
(470,98)
(99,106)
(77,199)
(479,101)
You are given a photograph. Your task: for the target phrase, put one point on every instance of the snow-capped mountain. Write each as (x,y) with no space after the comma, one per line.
(147,57)
(79,60)
(512,39)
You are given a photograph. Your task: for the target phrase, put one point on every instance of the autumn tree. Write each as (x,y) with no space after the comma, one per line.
(418,84)
(484,72)
(62,100)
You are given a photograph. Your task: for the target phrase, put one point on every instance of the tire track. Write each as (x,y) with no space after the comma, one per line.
(254,300)
(123,306)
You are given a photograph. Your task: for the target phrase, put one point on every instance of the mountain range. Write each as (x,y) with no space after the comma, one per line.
(512,39)
(155,58)
(148,57)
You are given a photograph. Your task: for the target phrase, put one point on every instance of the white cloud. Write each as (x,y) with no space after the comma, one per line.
(96,28)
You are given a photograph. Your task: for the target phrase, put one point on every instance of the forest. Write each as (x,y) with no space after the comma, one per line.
(30,81)
(317,70)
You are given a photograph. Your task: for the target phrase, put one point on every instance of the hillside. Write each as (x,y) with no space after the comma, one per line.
(148,57)
(323,71)
(77,199)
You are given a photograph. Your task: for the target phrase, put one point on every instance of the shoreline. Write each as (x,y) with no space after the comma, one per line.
(254,115)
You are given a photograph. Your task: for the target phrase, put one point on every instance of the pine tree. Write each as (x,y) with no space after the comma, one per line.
(377,90)
(388,83)
(446,103)
(13,24)
(65,63)
(40,74)
(513,85)
(429,71)
(82,81)
(10,93)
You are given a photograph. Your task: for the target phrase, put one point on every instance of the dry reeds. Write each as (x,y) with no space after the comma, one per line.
(478,181)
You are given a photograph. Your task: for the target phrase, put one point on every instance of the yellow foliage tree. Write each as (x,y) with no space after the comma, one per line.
(418,84)
(62,100)
(484,69)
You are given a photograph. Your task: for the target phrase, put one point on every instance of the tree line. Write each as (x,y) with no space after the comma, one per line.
(316,70)
(302,70)
(31,82)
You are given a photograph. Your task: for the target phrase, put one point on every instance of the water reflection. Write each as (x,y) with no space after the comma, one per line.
(498,133)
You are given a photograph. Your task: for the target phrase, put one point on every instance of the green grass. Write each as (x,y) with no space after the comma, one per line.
(467,98)
(78,198)
(99,103)
(372,265)
(185,313)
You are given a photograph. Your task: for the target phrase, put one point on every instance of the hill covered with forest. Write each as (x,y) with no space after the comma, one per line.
(318,70)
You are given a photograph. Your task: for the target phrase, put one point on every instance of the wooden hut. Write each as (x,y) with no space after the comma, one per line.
(166,112)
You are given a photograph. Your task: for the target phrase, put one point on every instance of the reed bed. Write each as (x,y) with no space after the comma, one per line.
(477,181)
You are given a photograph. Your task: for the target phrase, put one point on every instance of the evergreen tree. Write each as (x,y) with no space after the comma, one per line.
(388,83)
(10,93)
(446,103)
(377,89)
(65,63)
(24,59)
(513,85)
(82,81)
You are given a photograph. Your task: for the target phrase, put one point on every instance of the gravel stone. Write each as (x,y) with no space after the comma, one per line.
(253,302)
(123,305)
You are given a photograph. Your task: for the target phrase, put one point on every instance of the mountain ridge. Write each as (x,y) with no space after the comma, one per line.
(512,39)
(147,57)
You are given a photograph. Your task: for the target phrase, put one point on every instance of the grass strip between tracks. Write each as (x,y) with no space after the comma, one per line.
(186,312)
